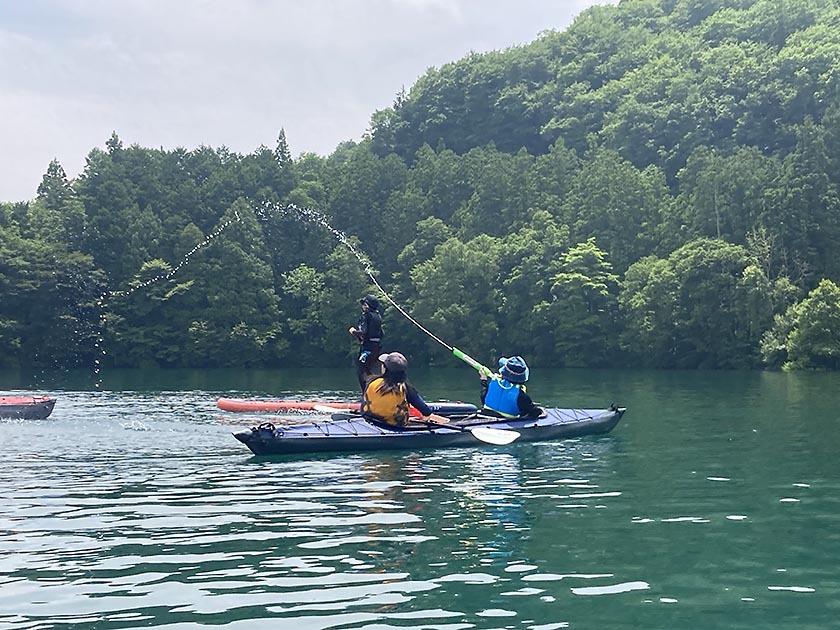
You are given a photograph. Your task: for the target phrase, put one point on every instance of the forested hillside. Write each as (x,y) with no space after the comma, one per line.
(657,185)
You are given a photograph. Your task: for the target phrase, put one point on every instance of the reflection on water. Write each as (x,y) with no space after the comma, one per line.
(713,504)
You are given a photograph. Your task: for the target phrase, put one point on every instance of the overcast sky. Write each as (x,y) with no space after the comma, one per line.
(182,73)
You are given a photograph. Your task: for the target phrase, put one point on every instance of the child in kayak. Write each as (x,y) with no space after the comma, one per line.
(387,398)
(503,394)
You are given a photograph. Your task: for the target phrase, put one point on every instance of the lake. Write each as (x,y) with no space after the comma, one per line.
(715,503)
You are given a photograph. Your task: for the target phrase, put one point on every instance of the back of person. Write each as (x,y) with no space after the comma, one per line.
(502,397)
(504,394)
(388,398)
(385,402)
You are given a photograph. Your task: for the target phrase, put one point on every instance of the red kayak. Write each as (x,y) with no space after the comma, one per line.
(281,406)
(257,405)
(26,407)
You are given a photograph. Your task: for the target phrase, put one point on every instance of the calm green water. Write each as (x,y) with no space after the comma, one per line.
(714,504)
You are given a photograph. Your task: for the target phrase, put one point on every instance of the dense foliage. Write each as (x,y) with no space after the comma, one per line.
(656,185)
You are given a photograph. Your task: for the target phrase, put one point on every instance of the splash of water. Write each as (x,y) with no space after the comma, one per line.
(186,259)
(313,216)
(102,300)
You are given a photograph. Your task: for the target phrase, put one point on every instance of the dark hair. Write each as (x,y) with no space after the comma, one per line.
(392,380)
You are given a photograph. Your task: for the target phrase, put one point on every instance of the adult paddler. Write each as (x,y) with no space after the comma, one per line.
(387,397)
(368,332)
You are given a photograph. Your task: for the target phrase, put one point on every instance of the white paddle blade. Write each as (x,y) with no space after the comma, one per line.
(494,436)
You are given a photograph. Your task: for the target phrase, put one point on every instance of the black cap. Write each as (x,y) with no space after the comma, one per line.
(371,301)
(394,361)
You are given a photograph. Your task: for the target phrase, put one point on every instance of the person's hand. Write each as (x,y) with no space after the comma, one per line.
(352,330)
(482,376)
(433,417)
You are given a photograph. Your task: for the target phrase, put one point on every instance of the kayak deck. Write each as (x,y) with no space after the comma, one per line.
(354,433)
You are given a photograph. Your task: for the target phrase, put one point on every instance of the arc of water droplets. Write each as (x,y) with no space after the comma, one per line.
(207,240)
(316,217)
(100,301)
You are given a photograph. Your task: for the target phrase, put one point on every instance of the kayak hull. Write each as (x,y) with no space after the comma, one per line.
(351,434)
(26,407)
(241,405)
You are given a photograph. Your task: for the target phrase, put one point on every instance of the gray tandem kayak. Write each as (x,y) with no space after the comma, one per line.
(349,433)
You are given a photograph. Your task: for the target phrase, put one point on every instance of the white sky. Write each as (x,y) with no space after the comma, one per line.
(182,73)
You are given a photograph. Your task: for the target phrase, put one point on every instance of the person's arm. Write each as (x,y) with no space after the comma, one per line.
(416,400)
(359,331)
(527,407)
(485,383)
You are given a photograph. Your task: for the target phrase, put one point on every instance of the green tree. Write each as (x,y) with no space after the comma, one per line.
(146,322)
(648,301)
(48,312)
(726,196)
(531,258)
(238,319)
(807,336)
(457,296)
(581,314)
(705,306)
(300,299)
(344,282)
(615,203)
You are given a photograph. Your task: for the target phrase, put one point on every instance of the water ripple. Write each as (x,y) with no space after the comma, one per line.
(175,526)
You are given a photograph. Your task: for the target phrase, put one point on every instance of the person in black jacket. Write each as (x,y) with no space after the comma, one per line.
(368,332)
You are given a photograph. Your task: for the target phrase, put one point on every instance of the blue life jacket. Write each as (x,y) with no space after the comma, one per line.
(502,397)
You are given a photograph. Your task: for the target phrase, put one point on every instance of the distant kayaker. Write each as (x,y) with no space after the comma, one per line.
(368,332)
(388,397)
(504,395)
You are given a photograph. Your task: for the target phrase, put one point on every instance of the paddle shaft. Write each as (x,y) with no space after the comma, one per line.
(443,425)
(482,369)
(490,435)
(461,355)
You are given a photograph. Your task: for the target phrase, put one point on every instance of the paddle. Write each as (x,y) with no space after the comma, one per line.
(490,435)
(482,369)
(333,411)
(485,434)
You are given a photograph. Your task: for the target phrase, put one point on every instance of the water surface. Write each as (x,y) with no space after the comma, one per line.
(714,504)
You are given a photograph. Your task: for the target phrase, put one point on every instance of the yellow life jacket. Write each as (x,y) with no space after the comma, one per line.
(391,407)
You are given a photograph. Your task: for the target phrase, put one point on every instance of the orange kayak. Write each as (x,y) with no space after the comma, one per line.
(257,405)
(251,405)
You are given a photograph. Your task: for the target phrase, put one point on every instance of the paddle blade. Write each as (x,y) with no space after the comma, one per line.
(494,436)
(336,414)
(344,416)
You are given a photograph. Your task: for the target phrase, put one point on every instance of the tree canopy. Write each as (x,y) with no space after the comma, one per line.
(655,185)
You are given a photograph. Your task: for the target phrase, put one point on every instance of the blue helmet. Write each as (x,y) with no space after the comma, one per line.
(514,369)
